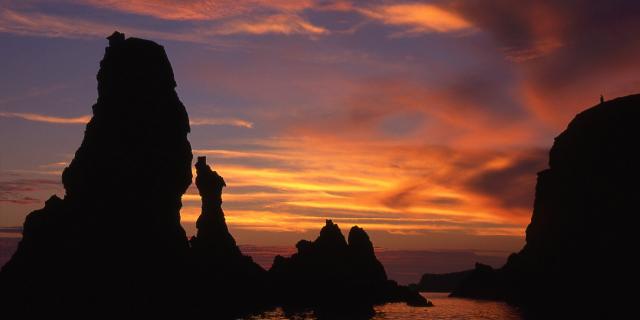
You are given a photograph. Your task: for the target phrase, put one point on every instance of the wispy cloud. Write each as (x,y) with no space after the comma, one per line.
(21,191)
(199,9)
(44,118)
(277,24)
(172,9)
(197,121)
(33,23)
(418,17)
(202,20)
(85,118)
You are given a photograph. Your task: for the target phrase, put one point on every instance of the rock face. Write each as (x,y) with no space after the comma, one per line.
(330,273)
(116,235)
(223,276)
(580,235)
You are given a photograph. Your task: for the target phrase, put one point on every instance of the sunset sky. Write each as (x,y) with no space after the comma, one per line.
(423,122)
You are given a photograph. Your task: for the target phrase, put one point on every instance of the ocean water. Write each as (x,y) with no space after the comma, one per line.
(444,308)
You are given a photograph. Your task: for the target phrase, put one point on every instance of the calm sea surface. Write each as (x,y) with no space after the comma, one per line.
(444,308)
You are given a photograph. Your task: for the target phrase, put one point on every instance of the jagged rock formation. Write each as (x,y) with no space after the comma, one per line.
(580,238)
(115,238)
(331,274)
(223,275)
(443,282)
(114,243)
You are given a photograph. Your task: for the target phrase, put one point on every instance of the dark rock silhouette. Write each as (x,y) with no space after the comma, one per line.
(223,275)
(444,282)
(115,239)
(114,243)
(331,274)
(581,236)
(213,237)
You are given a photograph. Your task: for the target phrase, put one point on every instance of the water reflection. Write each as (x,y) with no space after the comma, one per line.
(445,308)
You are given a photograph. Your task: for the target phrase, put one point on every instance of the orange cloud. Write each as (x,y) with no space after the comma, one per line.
(47,119)
(402,189)
(199,121)
(173,10)
(419,18)
(198,9)
(214,18)
(565,53)
(84,119)
(279,24)
(56,26)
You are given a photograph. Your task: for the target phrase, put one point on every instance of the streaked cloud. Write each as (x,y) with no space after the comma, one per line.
(196,121)
(200,121)
(44,118)
(39,24)
(403,189)
(22,191)
(172,9)
(198,9)
(30,23)
(418,17)
(202,19)
(274,24)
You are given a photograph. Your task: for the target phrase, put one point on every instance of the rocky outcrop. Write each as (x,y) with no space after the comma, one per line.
(213,238)
(444,282)
(581,232)
(223,276)
(330,273)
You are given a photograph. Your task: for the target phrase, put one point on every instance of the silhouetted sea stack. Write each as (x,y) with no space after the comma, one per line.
(580,243)
(115,240)
(222,276)
(331,275)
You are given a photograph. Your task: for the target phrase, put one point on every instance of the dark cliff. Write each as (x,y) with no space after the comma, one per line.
(581,232)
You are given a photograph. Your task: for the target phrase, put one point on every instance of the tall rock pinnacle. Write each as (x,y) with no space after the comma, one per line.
(213,236)
(115,238)
(223,276)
